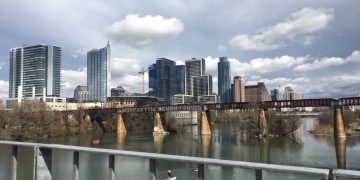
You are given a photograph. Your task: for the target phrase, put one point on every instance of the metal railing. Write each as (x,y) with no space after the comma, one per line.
(43,158)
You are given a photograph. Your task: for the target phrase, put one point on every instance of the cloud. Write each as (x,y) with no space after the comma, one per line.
(4,90)
(124,72)
(297,27)
(255,66)
(328,62)
(70,79)
(141,32)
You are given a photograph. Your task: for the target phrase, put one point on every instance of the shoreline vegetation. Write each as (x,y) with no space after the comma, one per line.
(325,125)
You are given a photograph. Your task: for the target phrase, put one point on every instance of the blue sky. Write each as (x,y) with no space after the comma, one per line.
(310,45)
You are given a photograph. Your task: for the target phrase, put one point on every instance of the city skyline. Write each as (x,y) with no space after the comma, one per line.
(319,58)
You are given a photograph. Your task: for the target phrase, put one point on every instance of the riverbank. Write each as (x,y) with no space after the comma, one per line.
(325,125)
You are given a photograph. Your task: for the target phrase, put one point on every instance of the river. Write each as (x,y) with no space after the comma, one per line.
(301,149)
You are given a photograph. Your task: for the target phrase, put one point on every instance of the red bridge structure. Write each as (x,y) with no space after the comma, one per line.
(336,104)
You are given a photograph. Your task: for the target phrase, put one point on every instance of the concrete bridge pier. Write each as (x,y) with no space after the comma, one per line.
(159,123)
(263,127)
(205,122)
(121,128)
(339,127)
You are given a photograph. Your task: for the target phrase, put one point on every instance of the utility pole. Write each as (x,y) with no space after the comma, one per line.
(142,72)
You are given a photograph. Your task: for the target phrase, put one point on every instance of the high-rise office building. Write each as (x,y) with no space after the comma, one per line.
(180,79)
(162,79)
(239,89)
(152,80)
(98,74)
(34,71)
(193,67)
(224,80)
(291,94)
(257,93)
(275,95)
(202,85)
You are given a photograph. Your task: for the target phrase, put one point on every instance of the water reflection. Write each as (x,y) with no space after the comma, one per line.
(158,142)
(340,149)
(121,137)
(205,142)
(264,150)
(227,142)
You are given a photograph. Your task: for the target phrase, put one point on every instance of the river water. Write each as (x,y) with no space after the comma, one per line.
(301,149)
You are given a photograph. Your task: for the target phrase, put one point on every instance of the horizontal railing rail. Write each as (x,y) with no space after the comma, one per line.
(43,152)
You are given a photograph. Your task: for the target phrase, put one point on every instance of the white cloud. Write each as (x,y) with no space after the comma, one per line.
(4,90)
(70,79)
(297,27)
(140,32)
(328,62)
(354,57)
(124,72)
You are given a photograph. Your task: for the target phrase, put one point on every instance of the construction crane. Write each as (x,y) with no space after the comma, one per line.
(142,72)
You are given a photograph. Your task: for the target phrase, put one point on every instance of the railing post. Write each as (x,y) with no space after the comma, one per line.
(258,174)
(111,167)
(42,163)
(201,172)
(14,162)
(152,164)
(76,165)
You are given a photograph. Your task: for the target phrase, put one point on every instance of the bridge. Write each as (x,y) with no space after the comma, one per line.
(42,163)
(205,125)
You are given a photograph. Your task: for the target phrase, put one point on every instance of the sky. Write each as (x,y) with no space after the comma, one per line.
(312,46)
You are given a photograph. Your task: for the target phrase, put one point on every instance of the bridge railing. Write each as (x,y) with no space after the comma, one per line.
(43,160)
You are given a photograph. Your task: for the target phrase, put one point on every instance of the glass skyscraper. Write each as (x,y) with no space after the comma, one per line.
(193,67)
(162,79)
(98,74)
(224,80)
(180,79)
(35,69)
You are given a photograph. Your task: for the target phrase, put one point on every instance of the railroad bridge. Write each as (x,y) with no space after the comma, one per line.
(205,125)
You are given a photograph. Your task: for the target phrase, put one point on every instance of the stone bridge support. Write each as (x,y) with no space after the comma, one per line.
(205,122)
(159,123)
(121,128)
(339,127)
(263,127)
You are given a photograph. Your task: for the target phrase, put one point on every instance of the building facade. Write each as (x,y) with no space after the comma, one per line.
(180,79)
(257,93)
(34,71)
(224,80)
(80,94)
(238,89)
(98,74)
(291,94)
(193,67)
(162,79)
(275,95)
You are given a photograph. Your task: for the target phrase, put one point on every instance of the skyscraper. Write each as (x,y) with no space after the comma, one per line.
(152,80)
(224,80)
(35,70)
(275,95)
(180,79)
(257,93)
(291,94)
(239,89)
(162,79)
(202,85)
(98,74)
(193,67)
